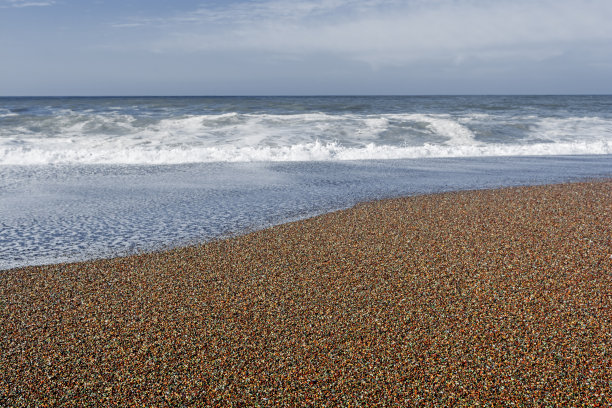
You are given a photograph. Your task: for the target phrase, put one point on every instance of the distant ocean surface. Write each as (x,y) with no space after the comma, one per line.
(90,177)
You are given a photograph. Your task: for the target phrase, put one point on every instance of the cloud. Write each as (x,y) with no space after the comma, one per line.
(391,32)
(24,3)
(128,25)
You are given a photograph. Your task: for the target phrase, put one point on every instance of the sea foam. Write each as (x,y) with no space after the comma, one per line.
(315,151)
(119,138)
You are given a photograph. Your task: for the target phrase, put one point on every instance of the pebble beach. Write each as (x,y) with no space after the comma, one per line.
(493,298)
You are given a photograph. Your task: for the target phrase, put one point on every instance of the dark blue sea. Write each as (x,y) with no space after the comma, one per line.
(82,178)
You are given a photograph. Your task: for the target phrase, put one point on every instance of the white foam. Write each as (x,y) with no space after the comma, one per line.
(371,151)
(443,125)
(299,152)
(568,129)
(114,138)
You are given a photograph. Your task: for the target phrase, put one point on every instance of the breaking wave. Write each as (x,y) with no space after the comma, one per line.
(68,137)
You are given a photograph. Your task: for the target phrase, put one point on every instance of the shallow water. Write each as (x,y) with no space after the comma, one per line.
(56,213)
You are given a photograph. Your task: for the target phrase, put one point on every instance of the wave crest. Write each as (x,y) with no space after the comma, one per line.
(316,151)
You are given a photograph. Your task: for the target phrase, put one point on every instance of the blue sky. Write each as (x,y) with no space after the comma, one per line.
(247,47)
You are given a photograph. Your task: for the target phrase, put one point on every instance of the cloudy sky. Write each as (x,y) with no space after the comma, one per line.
(301,47)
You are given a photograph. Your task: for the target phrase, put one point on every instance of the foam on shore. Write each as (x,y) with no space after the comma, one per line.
(497,296)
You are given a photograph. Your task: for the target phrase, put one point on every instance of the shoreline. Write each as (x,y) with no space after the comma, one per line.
(499,296)
(181,206)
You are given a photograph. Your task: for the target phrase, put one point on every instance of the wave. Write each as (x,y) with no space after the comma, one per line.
(316,151)
(69,137)
(306,125)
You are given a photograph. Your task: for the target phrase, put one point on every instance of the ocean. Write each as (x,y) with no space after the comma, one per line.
(82,178)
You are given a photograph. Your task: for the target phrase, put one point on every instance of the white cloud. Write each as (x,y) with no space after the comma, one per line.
(24,3)
(383,32)
(128,25)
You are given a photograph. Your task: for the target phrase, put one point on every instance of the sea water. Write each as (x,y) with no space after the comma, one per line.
(88,177)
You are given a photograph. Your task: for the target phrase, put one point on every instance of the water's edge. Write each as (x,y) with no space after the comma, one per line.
(55,214)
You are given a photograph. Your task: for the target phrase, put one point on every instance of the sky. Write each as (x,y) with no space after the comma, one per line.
(305,47)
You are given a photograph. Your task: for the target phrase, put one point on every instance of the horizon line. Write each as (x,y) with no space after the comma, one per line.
(295,95)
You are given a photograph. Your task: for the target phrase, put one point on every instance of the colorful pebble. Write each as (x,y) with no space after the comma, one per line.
(494,298)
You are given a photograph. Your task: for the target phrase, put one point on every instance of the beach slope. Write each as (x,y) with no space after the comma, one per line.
(499,296)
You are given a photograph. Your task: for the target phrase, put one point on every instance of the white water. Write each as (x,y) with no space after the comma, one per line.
(86,138)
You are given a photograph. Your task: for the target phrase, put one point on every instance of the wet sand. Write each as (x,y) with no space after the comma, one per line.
(498,297)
